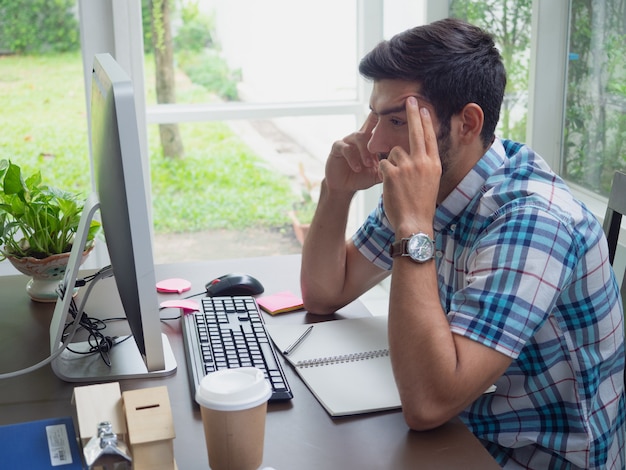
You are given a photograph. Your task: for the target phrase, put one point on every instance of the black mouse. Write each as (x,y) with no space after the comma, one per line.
(234,284)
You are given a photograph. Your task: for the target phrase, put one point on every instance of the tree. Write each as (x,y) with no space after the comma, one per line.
(171,141)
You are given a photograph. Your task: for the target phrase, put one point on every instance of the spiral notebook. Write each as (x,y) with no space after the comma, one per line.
(345,363)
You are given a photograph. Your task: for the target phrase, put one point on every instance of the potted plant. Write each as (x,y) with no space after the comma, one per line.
(38,224)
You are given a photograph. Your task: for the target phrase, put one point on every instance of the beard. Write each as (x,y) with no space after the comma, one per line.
(444,145)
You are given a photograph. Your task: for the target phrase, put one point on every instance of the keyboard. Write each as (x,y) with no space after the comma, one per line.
(228,333)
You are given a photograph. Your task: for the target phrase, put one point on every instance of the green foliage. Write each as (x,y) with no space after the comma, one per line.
(199,56)
(195,33)
(509,22)
(35,219)
(211,71)
(158,28)
(146,23)
(595,137)
(595,127)
(43,118)
(44,127)
(38,26)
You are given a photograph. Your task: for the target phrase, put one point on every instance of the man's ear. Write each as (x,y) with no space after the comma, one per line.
(470,123)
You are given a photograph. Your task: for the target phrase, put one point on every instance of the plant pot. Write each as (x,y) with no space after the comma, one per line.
(45,274)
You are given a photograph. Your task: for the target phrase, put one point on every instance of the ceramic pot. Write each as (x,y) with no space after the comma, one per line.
(45,274)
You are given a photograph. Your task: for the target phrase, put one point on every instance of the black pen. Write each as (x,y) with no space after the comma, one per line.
(293,345)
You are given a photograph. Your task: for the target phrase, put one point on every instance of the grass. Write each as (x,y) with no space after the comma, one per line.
(43,118)
(220,183)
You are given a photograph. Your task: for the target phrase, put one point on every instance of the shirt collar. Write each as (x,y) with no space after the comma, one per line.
(470,185)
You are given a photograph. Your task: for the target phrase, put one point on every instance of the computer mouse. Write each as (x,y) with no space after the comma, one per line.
(234,284)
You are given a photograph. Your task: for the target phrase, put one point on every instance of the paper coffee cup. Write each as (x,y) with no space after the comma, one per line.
(233,404)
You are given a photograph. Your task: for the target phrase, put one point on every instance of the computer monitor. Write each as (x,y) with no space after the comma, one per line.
(121,198)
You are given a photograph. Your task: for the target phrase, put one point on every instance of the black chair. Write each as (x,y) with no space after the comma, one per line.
(615,209)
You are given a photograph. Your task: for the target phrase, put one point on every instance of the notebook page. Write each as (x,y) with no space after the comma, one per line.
(345,363)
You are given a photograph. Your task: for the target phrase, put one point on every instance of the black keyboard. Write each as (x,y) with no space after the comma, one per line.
(230,333)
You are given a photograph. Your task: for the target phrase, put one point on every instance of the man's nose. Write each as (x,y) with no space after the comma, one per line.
(376,145)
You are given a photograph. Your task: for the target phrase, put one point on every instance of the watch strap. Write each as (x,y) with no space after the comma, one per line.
(398,248)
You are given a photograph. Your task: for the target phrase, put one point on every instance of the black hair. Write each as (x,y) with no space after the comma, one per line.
(454,62)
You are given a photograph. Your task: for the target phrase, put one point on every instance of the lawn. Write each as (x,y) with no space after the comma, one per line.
(220,183)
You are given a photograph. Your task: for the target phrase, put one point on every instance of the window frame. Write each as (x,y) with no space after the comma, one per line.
(115,26)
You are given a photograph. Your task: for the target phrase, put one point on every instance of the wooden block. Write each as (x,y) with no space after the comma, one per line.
(154,456)
(95,404)
(150,428)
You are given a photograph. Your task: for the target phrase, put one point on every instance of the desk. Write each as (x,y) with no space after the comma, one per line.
(299,434)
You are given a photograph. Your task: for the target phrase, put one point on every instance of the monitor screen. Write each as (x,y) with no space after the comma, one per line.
(121,199)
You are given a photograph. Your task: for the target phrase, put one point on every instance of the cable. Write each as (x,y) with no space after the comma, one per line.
(195,295)
(90,281)
(98,342)
(48,360)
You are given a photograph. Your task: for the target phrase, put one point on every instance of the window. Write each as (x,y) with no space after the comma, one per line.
(595,115)
(258,101)
(290,88)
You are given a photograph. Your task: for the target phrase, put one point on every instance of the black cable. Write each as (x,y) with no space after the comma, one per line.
(98,342)
(194,295)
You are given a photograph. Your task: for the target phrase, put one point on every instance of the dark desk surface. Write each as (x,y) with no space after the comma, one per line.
(299,434)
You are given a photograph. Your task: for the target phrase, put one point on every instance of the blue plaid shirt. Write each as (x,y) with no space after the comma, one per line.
(523,268)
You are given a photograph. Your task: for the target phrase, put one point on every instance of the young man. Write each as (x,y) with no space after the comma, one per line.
(498,275)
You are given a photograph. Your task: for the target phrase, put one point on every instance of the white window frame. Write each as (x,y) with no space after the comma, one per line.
(115,26)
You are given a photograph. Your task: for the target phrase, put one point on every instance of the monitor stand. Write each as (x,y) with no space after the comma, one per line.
(126,363)
(125,358)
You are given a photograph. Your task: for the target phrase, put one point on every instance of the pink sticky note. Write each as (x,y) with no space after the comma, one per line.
(280,303)
(186,304)
(173,285)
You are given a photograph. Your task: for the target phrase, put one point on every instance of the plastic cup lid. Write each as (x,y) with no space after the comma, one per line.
(233,389)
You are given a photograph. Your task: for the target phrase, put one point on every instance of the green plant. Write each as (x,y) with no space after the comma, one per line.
(35,219)
(38,26)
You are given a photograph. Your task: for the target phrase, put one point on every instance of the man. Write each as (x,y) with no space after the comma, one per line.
(498,276)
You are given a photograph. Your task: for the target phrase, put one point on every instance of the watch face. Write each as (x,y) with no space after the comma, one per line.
(420,247)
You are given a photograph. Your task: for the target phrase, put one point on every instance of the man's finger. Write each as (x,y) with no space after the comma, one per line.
(369,124)
(363,137)
(416,129)
(430,138)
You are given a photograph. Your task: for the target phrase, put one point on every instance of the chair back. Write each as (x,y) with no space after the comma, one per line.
(615,209)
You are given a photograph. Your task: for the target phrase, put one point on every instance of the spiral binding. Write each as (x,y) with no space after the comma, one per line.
(326,361)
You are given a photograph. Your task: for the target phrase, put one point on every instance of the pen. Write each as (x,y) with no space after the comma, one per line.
(293,345)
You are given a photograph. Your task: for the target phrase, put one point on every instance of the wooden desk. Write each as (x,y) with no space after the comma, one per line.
(299,434)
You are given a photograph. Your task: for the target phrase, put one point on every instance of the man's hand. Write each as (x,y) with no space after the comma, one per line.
(411,180)
(350,166)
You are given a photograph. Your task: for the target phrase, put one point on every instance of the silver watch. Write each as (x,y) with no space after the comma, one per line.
(419,247)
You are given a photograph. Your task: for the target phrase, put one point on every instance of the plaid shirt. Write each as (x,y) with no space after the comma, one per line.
(523,268)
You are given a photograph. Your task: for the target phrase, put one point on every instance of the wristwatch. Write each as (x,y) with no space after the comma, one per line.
(419,247)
